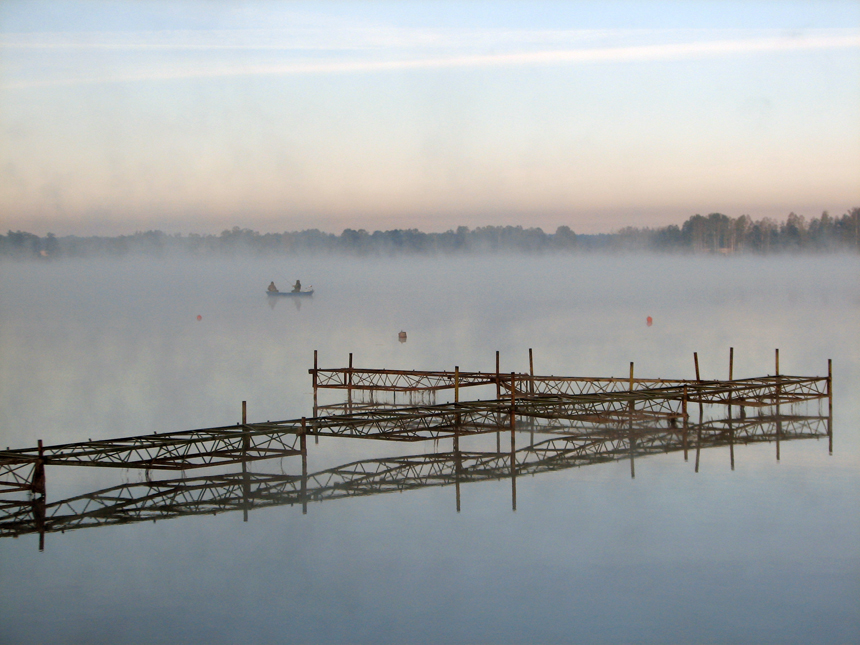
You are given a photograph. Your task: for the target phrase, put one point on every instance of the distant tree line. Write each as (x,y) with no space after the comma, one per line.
(718,233)
(715,233)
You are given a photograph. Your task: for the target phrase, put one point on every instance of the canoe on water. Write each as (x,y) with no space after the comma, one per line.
(293,294)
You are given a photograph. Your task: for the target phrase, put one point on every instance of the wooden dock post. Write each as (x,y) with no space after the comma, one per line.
(684,413)
(498,398)
(39,495)
(38,485)
(349,387)
(316,387)
(731,429)
(698,392)
(701,411)
(457,421)
(316,367)
(830,405)
(531,393)
(731,366)
(246,437)
(531,373)
(303,445)
(630,387)
(778,393)
(631,438)
(246,446)
(513,444)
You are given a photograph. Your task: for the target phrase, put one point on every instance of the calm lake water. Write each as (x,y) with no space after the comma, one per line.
(766,553)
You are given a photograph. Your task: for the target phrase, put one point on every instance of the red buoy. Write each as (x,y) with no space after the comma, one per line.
(649,321)
(199,317)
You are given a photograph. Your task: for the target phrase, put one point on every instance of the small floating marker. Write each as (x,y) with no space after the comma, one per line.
(401,336)
(199,317)
(649,321)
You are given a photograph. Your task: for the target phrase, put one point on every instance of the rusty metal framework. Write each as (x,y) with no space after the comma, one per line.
(747,392)
(159,500)
(586,419)
(167,451)
(251,442)
(348,378)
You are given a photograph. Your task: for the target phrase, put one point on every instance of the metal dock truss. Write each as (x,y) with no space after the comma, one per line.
(577,421)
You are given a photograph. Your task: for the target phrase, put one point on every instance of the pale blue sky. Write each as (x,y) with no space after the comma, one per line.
(196,116)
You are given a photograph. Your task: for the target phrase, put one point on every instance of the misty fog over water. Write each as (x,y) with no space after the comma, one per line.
(111,348)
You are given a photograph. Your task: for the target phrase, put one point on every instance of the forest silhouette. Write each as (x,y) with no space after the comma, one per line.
(711,234)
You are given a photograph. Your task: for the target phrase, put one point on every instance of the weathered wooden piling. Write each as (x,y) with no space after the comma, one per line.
(778,393)
(731,365)
(39,484)
(349,386)
(630,387)
(531,373)
(698,380)
(513,442)
(686,426)
(303,446)
(457,421)
(246,479)
(316,368)
(830,405)
(246,436)
(498,398)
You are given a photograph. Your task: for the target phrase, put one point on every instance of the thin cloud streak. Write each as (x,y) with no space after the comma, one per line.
(363,38)
(640,53)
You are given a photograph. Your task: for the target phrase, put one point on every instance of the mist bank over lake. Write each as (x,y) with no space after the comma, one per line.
(715,233)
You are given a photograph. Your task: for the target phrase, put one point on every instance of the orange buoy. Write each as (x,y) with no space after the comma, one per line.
(199,317)
(649,321)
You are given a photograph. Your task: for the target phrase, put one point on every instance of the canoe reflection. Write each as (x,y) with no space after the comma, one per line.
(243,490)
